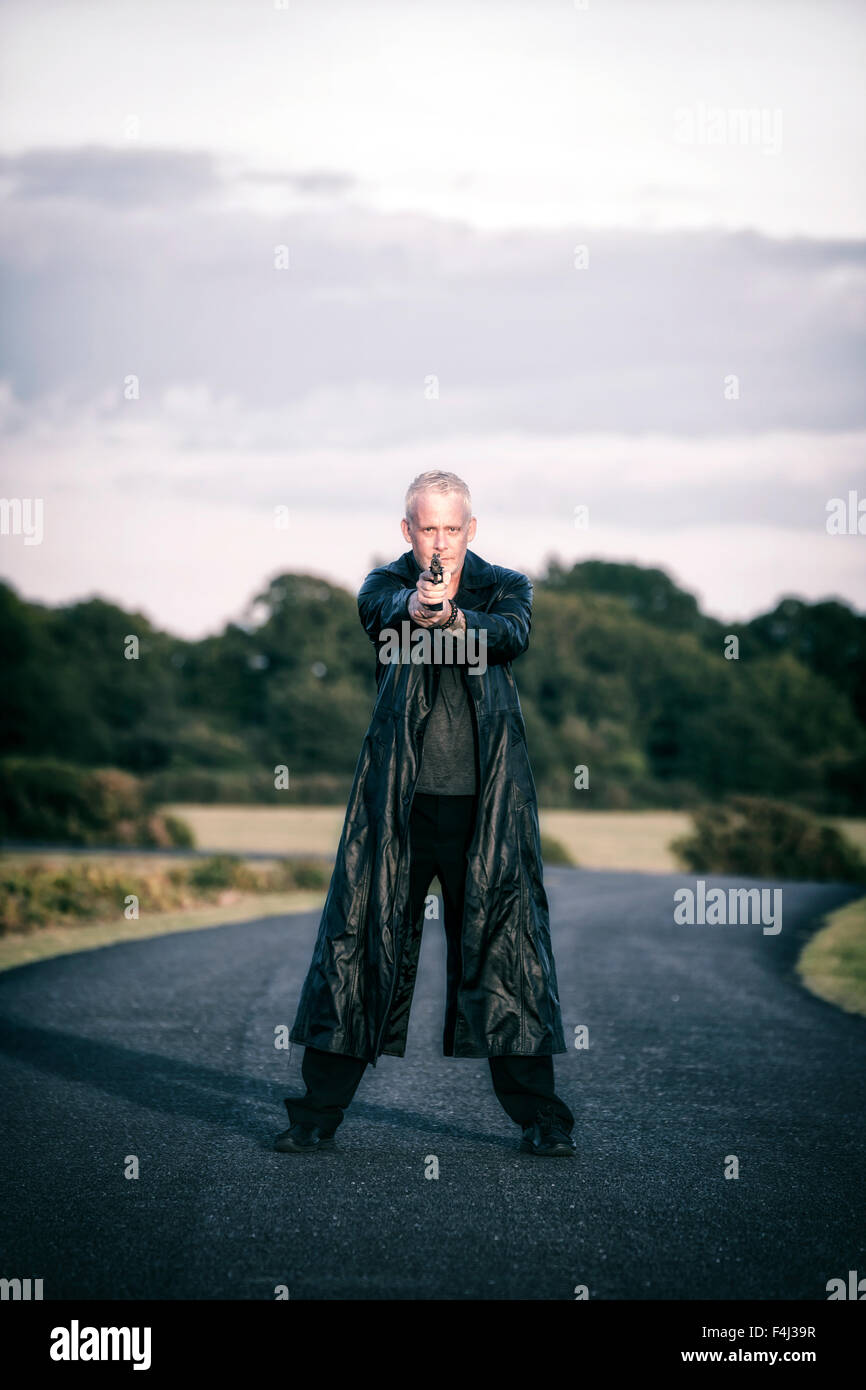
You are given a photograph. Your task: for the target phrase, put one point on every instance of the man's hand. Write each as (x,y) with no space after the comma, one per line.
(428,592)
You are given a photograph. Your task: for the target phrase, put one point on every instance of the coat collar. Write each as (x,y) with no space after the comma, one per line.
(476,573)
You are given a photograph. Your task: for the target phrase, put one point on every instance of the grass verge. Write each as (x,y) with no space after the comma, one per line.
(832,964)
(19,948)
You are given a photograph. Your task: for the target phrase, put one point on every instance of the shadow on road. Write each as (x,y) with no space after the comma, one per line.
(173,1087)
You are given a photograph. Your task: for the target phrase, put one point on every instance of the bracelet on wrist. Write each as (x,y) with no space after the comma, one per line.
(452,617)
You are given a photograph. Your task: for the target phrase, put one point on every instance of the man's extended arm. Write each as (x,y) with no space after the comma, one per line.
(507,623)
(383,601)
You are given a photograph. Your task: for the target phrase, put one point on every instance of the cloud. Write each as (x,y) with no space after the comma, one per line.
(109,177)
(315,181)
(190,443)
(676,332)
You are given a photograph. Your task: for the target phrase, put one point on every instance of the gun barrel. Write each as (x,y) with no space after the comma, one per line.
(437,572)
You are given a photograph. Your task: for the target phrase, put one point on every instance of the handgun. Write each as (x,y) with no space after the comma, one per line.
(437,572)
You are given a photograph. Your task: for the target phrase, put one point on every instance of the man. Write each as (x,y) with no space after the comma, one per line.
(442,787)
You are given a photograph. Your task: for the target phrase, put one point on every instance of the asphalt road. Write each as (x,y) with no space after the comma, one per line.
(702,1045)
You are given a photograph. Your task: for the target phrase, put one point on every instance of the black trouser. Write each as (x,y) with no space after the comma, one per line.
(441,832)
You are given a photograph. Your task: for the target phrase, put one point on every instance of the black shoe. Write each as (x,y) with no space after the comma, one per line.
(547,1138)
(303,1139)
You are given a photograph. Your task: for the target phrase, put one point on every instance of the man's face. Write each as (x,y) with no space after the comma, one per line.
(439,525)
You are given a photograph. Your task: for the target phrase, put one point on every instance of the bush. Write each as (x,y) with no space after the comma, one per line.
(219,872)
(759,838)
(44,799)
(254,787)
(308,875)
(37,894)
(554,852)
(179,834)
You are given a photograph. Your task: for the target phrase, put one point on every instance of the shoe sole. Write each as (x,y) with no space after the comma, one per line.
(327,1144)
(559,1152)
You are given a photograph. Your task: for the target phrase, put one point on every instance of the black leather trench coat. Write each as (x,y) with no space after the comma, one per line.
(363,969)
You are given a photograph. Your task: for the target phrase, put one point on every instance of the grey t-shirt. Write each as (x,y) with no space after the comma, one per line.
(448,749)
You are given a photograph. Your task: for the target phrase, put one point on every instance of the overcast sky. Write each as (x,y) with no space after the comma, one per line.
(610,255)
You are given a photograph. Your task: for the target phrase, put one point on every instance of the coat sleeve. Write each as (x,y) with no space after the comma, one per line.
(383,601)
(507,622)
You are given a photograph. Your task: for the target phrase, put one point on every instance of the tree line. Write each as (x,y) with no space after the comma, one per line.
(624,678)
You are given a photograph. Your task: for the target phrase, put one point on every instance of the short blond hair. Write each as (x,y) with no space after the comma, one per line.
(437,481)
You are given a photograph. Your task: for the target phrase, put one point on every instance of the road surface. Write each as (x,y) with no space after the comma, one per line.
(702,1045)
